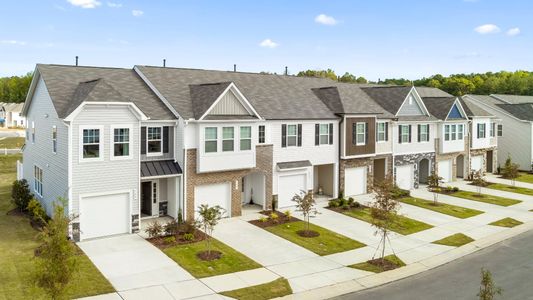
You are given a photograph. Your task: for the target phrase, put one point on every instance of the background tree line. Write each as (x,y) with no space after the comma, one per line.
(14,88)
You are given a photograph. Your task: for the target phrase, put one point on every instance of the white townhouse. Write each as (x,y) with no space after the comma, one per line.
(11,115)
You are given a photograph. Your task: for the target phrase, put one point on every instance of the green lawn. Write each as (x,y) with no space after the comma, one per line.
(17,243)
(277,288)
(525,177)
(510,188)
(366,266)
(403,225)
(455,240)
(485,198)
(12,142)
(443,208)
(231,260)
(506,222)
(328,242)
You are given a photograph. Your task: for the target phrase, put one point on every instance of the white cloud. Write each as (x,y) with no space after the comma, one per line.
(13,42)
(137,13)
(114,5)
(513,31)
(268,43)
(325,20)
(85,3)
(487,29)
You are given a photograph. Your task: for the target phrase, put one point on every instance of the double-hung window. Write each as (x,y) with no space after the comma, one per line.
(454,132)
(446,132)
(54,139)
(91,143)
(121,142)
(33,132)
(155,140)
(360,133)
(424,133)
(405,135)
(460,131)
(324,134)
(38,180)
(481,130)
(500,130)
(382,131)
(492,129)
(246,138)
(292,135)
(228,139)
(261,134)
(210,138)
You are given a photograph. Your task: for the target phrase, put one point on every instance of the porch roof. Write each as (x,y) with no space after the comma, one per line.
(294,165)
(160,168)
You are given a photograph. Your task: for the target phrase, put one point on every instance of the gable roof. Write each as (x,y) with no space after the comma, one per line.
(390,98)
(272,96)
(522,111)
(472,109)
(439,106)
(513,99)
(11,107)
(204,95)
(426,91)
(69,86)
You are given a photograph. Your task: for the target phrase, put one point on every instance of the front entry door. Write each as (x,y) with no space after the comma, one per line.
(146,198)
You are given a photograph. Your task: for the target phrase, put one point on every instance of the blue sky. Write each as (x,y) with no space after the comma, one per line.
(375,39)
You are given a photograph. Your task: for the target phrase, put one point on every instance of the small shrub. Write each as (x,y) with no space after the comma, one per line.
(171,228)
(188,237)
(342,202)
(397,193)
(341,194)
(351,201)
(274,217)
(356,204)
(333,203)
(263,219)
(20,194)
(180,217)
(188,227)
(154,230)
(455,189)
(346,206)
(169,239)
(288,214)
(37,212)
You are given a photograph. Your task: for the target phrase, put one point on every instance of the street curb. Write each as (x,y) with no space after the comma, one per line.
(376,280)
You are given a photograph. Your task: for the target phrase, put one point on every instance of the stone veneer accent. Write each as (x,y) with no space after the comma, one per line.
(134,223)
(263,162)
(453,156)
(412,159)
(362,162)
(75,227)
(483,151)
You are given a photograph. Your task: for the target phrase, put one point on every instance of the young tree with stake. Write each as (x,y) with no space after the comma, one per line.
(208,218)
(305,202)
(510,170)
(434,180)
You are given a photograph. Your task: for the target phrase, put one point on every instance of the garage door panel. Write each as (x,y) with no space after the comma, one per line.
(104,215)
(355,181)
(476,163)
(445,168)
(213,195)
(288,186)
(404,177)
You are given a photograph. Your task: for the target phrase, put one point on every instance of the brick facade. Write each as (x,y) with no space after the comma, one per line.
(367,162)
(263,165)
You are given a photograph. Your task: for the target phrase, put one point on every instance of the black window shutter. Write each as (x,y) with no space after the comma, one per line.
(428,132)
(143,140)
(165,139)
(386,131)
(354,133)
(283,135)
(409,133)
(331,133)
(299,135)
(400,134)
(317,134)
(366,133)
(478,126)
(419,126)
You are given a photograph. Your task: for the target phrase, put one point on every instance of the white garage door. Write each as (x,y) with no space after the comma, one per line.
(476,163)
(213,195)
(355,181)
(104,215)
(404,177)
(445,170)
(288,186)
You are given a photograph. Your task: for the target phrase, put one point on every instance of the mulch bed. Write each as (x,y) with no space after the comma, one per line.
(347,208)
(208,256)
(307,233)
(282,219)
(162,243)
(383,264)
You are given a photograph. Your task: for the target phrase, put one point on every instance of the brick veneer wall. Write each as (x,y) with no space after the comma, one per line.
(263,162)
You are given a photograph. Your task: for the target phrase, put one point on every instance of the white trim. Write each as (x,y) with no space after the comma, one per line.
(112,141)
(160,153)
(158,177)
(357,143)
(495,108)
(363,155)
(31,91)
(157,92)
(461,109)
(101,151)
(40,194)
(247,105)
(287,134)
(418,99)
(131,105)
(384,132)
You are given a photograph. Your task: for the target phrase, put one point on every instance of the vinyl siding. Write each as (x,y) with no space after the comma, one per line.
(170,154)
(370,146)
(414,146)
(410,109)
(106,175)
(386,146)
(229,105)
(54,166)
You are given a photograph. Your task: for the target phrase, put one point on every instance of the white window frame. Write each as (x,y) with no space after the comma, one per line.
(210,140)
(426,134)
(112,142)
(492,129)
(453,131)
(245,138)
(33,132)
(406,134)
(228,139)
(295,135)
(148,140)
(320,134)
(54,139)
(384,132)
(38,180)
(478,130)
(357,134)
(259,134)
(100,144)
(460,132)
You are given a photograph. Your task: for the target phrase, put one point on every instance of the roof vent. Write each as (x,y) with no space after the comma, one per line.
(234,67)
(164,63)
(76,60)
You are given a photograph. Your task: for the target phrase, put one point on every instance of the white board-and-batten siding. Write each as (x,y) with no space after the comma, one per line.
(106,175)
(229,105)
(40,153)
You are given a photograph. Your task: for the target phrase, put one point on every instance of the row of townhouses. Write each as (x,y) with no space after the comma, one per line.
(124,145)
(11,115)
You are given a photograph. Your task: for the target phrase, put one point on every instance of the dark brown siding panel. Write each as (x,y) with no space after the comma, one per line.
(370,146)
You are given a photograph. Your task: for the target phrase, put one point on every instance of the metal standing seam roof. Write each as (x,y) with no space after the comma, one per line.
(160,168)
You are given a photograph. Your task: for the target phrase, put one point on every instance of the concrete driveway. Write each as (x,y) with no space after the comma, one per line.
(130,262)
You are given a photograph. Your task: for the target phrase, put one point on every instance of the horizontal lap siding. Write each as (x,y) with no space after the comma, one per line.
(54,166)
(107,175)
(170,154)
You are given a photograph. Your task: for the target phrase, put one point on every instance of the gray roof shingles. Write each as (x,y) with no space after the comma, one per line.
(522,111)
(472,109)
(439,106)
(204,95)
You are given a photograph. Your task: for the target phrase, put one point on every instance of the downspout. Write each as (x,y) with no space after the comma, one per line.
(340,154)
